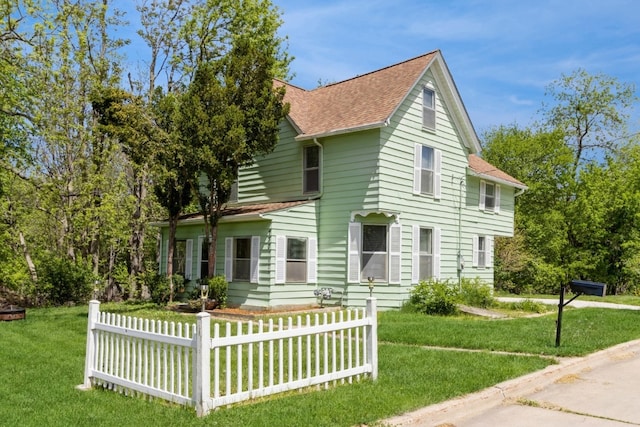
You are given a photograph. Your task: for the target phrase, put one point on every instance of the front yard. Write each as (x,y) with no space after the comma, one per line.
(43,360)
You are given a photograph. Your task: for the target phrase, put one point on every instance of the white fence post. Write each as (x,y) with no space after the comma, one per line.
(202,369)
(89,360)
(372,337)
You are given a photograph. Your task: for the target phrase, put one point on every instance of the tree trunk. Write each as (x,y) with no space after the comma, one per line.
(213,240)
(27,258)
(173,225)
(138,225)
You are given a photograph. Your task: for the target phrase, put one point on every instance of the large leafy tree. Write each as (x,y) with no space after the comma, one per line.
(575,220)
(592,110)
(229,115)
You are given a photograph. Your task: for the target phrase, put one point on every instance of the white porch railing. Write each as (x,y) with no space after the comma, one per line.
(174,361)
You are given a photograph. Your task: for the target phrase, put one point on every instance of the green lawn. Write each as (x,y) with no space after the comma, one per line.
(42,360)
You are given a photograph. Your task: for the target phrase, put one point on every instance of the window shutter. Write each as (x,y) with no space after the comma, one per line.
(255,259)
(474,249)
(417,166)
(312,260)
(436,253)
(228,259)
(437,174)
(160,257)
(496,209)
(281,259)
(415,255)
(489,252)
(395,253)
(482,195)
(188,262)
(199,257)
(164,249)
(353,267)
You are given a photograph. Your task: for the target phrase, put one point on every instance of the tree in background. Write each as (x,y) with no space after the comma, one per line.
(575,220)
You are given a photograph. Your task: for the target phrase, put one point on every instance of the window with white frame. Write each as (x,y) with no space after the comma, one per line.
(296,260)
(482,251)
(425,263)
(242,259)
(374,251)
(426,253)
(182,257)
(311,169)
(427,165)
(489,197)
(429,108)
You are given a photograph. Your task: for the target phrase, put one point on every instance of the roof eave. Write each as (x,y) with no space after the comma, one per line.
(497,180)
(368,126)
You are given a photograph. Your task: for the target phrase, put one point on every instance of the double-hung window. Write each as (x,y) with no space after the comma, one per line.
(489,197)
(182,257)
(296,260)
(427,164)
(482,251)
(242,259)
(374,251)
(428,108)
(311,169)
(425,263)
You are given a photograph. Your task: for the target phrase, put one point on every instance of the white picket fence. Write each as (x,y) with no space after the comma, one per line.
(254,359)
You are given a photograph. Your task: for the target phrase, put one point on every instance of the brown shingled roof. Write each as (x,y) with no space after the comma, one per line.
(369,99)
(484,168)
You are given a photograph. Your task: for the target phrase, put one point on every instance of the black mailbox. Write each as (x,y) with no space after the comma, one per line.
(586,287)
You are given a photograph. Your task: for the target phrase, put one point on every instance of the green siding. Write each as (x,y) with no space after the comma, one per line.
(365,171)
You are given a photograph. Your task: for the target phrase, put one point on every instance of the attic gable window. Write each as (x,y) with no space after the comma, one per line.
(311,169)
(428,108)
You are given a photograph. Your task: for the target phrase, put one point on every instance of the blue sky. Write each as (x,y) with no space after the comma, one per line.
(502,53)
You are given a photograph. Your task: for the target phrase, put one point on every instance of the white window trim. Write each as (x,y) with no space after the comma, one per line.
(488,252)
(281,259)
(415,253)
(431,109)
(417,171)
(254,264)
(483,194)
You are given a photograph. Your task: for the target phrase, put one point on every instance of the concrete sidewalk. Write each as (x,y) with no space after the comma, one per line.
(602,389)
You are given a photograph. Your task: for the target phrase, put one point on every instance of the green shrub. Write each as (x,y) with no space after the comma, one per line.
(218,289)
(157,284)
(475,293)
(434,297)
(63,281)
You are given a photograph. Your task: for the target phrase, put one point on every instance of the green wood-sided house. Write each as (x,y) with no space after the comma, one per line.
(377,176)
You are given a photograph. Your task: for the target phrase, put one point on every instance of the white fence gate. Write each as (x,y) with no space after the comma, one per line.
(174,361)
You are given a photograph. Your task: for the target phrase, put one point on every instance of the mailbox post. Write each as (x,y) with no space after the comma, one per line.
(578,287)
